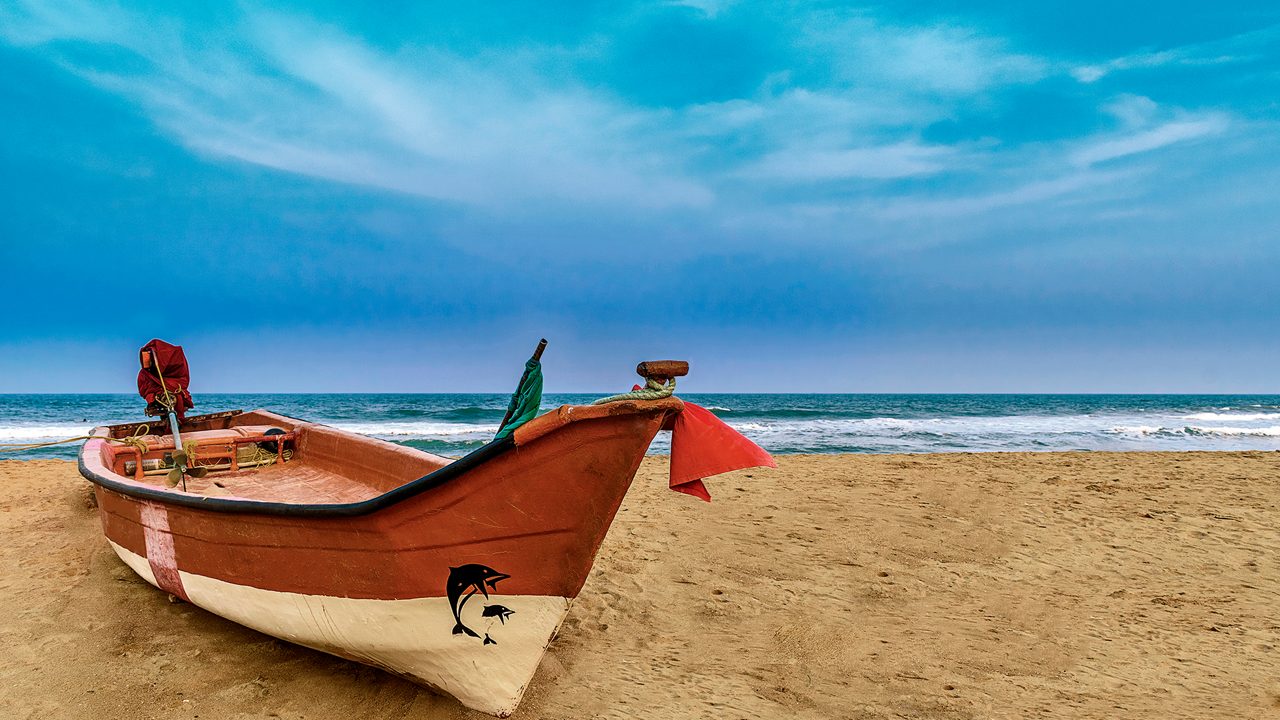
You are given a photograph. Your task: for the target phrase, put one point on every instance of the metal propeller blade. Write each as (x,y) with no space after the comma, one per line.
(180,468)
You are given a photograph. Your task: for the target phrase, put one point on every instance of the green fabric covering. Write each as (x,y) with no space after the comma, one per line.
(525,401)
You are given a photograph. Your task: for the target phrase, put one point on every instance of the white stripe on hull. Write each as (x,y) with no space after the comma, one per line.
(408,637)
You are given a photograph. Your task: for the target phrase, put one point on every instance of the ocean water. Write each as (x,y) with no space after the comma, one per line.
(456,424)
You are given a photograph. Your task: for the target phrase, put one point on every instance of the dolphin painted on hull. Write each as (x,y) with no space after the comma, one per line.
(465,581)
(501,612)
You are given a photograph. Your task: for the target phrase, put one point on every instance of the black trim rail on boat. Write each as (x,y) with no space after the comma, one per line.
(263,507)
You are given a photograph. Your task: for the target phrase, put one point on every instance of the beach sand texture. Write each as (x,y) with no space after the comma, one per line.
(1081,585)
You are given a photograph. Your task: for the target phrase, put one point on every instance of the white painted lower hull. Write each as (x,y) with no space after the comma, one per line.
(408,637)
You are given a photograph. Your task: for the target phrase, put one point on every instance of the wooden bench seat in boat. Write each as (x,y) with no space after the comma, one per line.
(301,463)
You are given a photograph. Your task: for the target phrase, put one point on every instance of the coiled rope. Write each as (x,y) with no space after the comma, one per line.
(653,390)
(259,457)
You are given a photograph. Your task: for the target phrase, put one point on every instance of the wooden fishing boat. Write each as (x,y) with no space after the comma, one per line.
(374,551)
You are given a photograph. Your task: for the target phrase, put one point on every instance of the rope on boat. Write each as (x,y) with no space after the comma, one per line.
(260,458)
(19,447)
(263,457)
(653,390)
(165,398)
(135,440)
(189,448)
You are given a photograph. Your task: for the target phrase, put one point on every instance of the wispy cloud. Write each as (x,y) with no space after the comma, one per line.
(1103,150)
(1236,49)
(884,162)
(311,100)
(709,8)
(1095,72)
(487,131)
(934,58)
(493,131)
(1033,192)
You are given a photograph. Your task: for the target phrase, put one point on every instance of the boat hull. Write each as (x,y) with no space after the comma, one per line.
(460,587)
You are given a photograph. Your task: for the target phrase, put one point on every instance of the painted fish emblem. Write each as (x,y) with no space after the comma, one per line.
(465,581)
(499,611)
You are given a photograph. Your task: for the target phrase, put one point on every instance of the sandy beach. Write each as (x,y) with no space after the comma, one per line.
(1009,585)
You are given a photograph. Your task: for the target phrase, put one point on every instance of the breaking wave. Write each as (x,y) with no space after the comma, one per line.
(1237,417)
(1272,431)
(41,433)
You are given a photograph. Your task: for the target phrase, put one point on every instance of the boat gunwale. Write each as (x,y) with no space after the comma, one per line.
(398,494)
(545,424)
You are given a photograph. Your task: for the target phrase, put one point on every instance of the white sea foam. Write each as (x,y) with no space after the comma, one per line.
(1232,417)
(890,434)
(1136,429)
(40,433)
(1271,431)
(1017,432)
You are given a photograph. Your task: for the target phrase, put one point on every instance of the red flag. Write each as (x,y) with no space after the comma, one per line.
(702,445)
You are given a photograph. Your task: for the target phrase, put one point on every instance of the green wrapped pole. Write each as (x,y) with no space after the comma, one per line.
(527,399)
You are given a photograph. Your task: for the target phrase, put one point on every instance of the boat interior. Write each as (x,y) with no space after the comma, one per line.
(260,455)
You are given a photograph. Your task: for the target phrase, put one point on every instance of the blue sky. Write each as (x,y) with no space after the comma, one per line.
(794,196)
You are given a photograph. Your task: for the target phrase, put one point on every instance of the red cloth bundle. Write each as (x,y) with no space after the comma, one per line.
(172,364)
